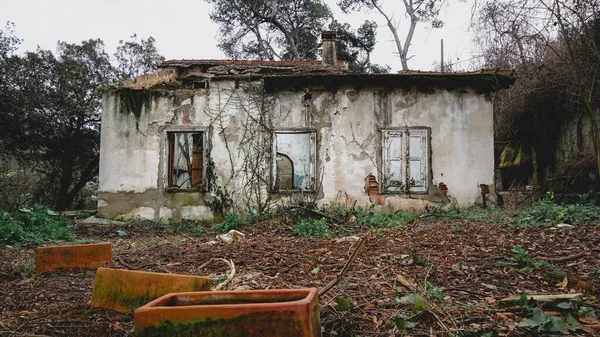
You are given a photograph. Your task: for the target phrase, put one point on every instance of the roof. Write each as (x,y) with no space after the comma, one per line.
(294,74)
(254,67)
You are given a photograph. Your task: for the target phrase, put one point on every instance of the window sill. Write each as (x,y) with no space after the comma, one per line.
(292,191)
(404,194)
(184,190)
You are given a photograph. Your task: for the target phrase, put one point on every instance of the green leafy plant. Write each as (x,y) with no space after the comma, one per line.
(458,229)
(33,225)
(317,229)
(547,212)
(343,303)
(232,220)
(418,301)
(370,218)
(528,263)
(542,322)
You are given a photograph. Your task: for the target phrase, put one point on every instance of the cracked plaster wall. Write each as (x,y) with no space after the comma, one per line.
(347,122)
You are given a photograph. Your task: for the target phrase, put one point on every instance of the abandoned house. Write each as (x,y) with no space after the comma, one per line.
(202,135)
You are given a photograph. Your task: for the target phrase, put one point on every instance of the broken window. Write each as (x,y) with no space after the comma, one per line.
(405,162)
(294,160)
(185,159)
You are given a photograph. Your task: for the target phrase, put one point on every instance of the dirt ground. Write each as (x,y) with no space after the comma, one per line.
(467,267)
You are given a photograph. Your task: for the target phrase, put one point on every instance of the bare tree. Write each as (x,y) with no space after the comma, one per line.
(416,11)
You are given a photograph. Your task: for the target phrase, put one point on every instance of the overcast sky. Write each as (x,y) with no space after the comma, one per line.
(182,28)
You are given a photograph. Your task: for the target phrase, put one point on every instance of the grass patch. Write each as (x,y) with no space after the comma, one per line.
(312,229)
(542,213)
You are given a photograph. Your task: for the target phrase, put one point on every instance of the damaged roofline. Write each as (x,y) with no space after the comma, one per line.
(483,81)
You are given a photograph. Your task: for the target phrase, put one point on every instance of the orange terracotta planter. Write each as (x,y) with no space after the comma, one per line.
(89,256)
(251,313)
(126,290)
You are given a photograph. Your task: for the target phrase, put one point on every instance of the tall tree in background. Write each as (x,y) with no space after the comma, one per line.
(270,30)
(50,111)
(355,47)
(425,11)
(288,30)
(135,58)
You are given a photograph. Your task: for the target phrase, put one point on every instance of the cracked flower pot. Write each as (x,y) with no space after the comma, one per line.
(250,313)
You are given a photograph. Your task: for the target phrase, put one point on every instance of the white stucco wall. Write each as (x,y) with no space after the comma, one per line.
(347,123)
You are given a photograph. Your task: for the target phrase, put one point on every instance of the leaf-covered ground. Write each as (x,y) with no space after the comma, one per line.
(431,278)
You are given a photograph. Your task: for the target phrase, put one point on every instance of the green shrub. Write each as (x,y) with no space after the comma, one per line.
(316,229)
(372,219)
(33,225)
(548,212)
(186,226)
(10,230)
(231,221)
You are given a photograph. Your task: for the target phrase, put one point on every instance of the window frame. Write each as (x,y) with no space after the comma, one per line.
(405,132)
(202,187)
(312,157)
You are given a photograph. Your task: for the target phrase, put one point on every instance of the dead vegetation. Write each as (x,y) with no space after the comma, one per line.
(430,278)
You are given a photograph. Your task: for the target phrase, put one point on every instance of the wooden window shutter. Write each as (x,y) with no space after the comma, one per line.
(197,159)
(171,157)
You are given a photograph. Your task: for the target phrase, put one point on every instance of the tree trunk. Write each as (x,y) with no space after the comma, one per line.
(63,202)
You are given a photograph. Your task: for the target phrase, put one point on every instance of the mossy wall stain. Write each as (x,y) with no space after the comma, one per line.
(133,101)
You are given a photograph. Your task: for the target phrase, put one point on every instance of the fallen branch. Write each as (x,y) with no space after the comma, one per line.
(125,264)
(563,258)
(338,277)
(229,264)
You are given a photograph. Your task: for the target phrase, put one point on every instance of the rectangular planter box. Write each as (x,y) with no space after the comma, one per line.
(90,256)
(250,313)
(126,290)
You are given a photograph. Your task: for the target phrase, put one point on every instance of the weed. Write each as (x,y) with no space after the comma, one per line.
(231,221)
(217,280)
(547,212)
(594,271)
(458,229)
(185,226)
(370,218)
(26,269)
(528,263)
(542,322)
(317,229)
(33,225)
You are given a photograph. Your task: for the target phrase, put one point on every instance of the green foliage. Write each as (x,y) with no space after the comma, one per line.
(402,323)
(231,221)
(193,228)
(528,263)
(418,301)
(343,303)
(315,229)
(267,30)
(545,212)
(548,212)
(50,120)
(475,213)
(542,322)
(370,218)
(33,225)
